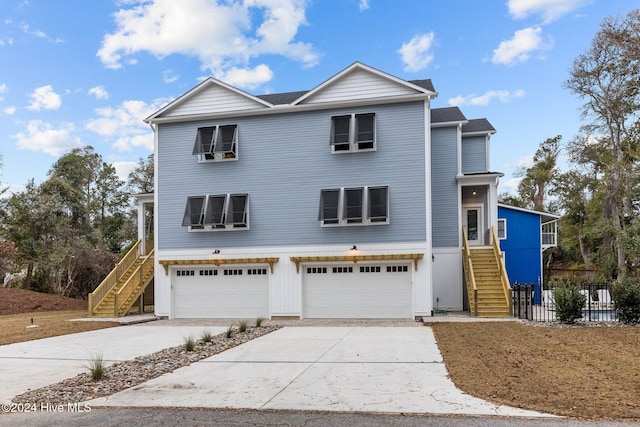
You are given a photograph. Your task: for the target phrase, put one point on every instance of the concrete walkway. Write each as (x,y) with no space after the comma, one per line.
(328,368)
(34,364)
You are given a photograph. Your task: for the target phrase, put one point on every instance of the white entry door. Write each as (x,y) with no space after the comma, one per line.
(473,220)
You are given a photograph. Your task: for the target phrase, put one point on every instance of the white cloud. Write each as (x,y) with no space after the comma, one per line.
(509,186)
(364,5)
(41,136)
(416,53)
(44,98)
(124,168)
(503,96)
(9,111)
(99,92)
(521,46)
(222,35)
(168,76)
(3,89)
(549,10)
(38,33)
(124,125)
(248,78)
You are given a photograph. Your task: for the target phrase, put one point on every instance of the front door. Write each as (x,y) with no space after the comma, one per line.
(473,221)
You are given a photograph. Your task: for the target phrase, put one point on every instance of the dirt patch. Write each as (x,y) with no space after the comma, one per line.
(14,300)
(50,314)
(583,372)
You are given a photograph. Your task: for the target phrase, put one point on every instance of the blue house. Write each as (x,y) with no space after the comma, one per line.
(524,235)
(347,200)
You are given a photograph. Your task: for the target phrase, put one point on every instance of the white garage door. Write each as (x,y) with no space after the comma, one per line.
(221,292)
(357,291)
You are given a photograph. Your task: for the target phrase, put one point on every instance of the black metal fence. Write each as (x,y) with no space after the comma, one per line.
(537,302)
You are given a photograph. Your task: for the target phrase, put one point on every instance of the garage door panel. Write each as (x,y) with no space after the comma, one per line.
(371,291)
(221,296)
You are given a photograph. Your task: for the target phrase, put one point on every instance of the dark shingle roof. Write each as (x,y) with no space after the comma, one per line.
(446,115)
(425,83)
(282,98)
(478,125)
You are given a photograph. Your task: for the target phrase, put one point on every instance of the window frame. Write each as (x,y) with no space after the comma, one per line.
(345,218)
(354,133)
(226,222)
(213,151)
(504,221)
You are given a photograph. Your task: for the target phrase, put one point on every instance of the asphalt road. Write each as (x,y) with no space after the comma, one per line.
(107,417)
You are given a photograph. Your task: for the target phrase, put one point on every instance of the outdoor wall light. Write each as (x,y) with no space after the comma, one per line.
(216,252)
(354,248)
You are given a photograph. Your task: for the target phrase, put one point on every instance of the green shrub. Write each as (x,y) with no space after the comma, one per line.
(259,321)
(626,300)
(206,336)
(97,369)
(569,302)
(189,343)
(242,326)
(229,333)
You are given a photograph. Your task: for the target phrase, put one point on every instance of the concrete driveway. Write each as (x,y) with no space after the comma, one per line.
(364,369)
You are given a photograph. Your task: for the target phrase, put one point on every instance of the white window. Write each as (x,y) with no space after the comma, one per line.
(216,143)
(352,206)
(502,228)
(217,212)
(353,132)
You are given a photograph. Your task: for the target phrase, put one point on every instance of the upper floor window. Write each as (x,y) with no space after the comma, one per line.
(216,143)
(217,212)
(353,132)
(350,206)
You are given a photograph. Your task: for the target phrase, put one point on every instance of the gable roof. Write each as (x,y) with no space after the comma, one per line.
(447,115)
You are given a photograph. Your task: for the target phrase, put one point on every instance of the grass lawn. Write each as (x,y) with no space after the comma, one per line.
(13,327)
(590,372)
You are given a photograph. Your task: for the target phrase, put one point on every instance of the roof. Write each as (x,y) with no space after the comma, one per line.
(282,98)
(478,126)
(544,216)
(447,115)
(425,83)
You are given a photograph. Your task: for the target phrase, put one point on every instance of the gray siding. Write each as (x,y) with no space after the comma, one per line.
(283,163)
(444,186)
(474,154)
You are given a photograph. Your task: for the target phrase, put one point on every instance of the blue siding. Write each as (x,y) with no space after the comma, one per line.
(522,246)
(444,186)
(474,154)
(283,163)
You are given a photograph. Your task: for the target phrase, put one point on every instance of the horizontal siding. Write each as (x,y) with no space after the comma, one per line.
(283,163)
(522,247)
(214,99)
(359,84)
(474,154)
(444,186)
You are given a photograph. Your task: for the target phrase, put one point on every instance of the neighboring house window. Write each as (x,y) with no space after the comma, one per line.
(352,206)
(502,228)
(217,212)
(216,143)
(354,132)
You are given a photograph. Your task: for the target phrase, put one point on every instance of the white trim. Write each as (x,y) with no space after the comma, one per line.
(504,237)
(551,217)
(481,230)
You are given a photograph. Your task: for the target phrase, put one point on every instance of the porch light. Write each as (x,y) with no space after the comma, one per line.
(354,248)
(216,252)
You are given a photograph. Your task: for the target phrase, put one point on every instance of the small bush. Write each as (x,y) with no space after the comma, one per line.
(259,321)
(242,326)
(229,332)
(569,302)
(626,300)
(97,369)
(206,336)
(189,343)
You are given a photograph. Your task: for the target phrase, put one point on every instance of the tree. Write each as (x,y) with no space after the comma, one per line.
(537,180)
(607,78)
(140,179)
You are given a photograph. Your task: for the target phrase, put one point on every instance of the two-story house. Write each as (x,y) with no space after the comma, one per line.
(344,201)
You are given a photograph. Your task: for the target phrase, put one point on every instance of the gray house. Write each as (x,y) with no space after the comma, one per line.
(344,201)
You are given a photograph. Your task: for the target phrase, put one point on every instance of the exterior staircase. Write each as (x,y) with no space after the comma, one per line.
(487,283)
(121,288)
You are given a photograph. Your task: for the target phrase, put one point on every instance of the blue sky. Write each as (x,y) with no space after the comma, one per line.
(76,73)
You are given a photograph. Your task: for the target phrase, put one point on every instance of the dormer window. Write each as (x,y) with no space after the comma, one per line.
(217,212)
(216,143)
(353,132)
